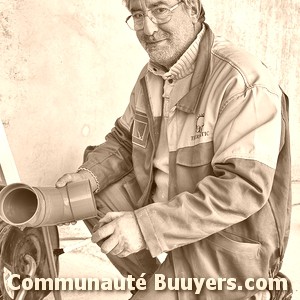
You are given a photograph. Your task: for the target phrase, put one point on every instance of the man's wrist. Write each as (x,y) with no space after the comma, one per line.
(86,173)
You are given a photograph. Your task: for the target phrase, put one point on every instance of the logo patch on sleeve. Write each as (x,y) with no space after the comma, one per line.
(140,131)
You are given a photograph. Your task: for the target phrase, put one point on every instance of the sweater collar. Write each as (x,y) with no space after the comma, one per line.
(185,64)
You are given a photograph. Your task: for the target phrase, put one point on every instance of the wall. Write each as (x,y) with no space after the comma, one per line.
(67,68)
(66,72)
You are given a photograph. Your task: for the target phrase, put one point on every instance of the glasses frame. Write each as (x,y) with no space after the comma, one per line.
(151,17)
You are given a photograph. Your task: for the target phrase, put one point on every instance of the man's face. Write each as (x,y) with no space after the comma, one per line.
(165,43)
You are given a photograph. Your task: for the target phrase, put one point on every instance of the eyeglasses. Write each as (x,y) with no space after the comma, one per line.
(158,15)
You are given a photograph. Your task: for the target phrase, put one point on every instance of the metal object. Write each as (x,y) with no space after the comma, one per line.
(71,248)
(50,258)
(30,272)
(16,245)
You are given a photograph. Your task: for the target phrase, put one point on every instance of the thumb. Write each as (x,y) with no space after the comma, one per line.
(109,217)
(62,181)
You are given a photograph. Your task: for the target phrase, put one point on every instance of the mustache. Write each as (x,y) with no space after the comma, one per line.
(154,38)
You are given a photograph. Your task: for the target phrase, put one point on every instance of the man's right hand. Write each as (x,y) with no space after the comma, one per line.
(75,177)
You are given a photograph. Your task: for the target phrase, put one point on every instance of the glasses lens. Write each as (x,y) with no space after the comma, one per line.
(162,14)
(159,15)
(130,22)
(135,22)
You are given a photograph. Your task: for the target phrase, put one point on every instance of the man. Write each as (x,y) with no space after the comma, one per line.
(198,166)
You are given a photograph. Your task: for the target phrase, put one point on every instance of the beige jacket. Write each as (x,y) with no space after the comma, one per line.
(229,158)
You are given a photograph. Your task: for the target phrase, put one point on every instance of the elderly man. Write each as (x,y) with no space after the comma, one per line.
(198,166)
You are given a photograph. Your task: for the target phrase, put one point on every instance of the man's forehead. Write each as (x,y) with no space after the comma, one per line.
(140,4)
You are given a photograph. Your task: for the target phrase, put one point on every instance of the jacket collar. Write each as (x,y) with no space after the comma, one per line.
(188,103)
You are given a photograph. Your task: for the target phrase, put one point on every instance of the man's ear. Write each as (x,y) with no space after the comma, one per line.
(194,10)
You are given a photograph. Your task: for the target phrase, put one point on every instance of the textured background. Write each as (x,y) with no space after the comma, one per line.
(67,68)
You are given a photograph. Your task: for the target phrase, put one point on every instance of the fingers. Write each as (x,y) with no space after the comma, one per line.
(113,246)
(118,250)
(110,244)
(103,232)
(67,223)
(124,254)
(61,182)
(119,234)
(74,177)
(110,216)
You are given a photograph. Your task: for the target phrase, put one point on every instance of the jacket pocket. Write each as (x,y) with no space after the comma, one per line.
(122,195)
(192,165)
(133,189)
(236,244)
(226,255)
(195,156)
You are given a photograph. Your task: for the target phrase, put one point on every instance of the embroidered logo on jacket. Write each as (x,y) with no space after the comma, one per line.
(200,132)
(140,130)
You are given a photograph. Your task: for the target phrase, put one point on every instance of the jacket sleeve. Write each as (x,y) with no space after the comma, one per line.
(112,160)
(246,147)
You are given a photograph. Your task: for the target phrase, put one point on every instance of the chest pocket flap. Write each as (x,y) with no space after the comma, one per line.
(195,156)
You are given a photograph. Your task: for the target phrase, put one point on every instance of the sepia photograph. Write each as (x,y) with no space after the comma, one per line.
(149,149)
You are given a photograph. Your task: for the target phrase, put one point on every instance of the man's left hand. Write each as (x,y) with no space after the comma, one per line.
(120,233)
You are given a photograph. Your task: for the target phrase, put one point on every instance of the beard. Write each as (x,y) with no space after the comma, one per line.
(165,48)
(161,48)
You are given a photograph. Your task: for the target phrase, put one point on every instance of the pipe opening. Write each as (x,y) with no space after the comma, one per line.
(20,206)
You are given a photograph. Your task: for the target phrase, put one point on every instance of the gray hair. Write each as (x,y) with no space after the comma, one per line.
(188,3)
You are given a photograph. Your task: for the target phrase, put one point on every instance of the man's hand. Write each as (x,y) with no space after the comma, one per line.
(121,234)
(74,177)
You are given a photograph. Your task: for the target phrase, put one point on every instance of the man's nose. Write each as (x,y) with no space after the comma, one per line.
(149,26)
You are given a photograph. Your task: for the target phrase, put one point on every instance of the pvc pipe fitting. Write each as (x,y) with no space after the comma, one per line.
(25,206)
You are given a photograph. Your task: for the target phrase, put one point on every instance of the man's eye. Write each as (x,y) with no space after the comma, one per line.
(137,16)
(159,11)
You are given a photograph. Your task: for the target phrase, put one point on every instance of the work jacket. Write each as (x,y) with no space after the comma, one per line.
(228,212)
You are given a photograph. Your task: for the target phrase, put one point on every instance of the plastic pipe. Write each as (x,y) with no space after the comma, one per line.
(25,206)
